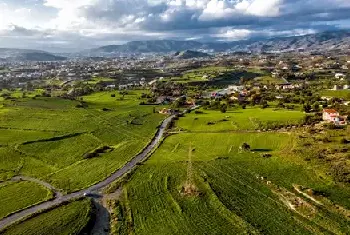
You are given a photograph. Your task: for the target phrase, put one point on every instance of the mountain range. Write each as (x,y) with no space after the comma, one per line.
(337,40)
(188,54)
(325,41)
(12,54)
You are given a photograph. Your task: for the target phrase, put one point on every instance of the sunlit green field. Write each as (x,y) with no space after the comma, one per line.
(230,197)
(49,138)
(344,94)
(18,195)
(68,219)
(239,119)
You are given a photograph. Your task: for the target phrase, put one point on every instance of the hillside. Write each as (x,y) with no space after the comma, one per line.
(27,55)
(188,54)
(338,40)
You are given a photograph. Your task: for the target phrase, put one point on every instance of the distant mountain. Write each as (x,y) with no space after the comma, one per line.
(337,40)
(188,54)
(10,54)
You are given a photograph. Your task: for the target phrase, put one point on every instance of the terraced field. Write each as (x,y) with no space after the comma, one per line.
(72,218)
(238,119)
(204,183)
(12,199)
(71,144)
(343,94)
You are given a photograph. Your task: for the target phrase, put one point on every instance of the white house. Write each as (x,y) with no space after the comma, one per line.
(331,115)
(339,75)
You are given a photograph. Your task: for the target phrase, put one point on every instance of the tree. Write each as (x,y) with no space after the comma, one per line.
(245,147)
(306,108)
(223,108)
(316,107)
(264,104)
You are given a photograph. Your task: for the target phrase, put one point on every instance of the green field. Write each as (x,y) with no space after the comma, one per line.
(12,196)
(232,191)
(50,138)
(100,79)
(215,75)
(251,118)
(68,219)
(230,197)
(267,80)
(344,94)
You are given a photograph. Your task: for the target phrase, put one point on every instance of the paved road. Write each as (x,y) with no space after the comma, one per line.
(95,188)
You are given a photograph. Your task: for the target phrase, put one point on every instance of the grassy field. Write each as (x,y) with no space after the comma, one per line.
(233,192)
(214,75)
(12,196)
(239,119)
(100,79)
(67,219)
(51,138)
(267,80)
(344,94)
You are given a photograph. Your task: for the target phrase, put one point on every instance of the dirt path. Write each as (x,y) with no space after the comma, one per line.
(93,189)
(57,193)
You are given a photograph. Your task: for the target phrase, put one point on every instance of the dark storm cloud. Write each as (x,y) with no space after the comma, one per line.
(143,15)
(87,23)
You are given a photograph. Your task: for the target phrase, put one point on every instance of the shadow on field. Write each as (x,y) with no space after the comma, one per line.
(261,150)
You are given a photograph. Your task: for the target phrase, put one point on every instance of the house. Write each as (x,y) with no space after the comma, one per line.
(337,87)
(110,86)
(285,86)
(165,111)
(332,116)
(339,75)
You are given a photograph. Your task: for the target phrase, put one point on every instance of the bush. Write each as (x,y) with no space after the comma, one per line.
(245,147)
(344,141)
(267,155)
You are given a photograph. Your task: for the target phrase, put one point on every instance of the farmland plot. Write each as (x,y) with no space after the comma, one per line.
(73,144)
(236,191)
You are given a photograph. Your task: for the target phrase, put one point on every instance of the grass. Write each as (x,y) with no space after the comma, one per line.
(267,80)
(344,94)
(231,199)
(72,218)
(15,196)
(48,138)
(214,75)
(239,119)
(100,79)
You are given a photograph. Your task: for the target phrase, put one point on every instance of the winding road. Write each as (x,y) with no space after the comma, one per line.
(95,188)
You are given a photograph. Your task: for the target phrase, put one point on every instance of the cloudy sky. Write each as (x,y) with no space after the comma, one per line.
(80,24)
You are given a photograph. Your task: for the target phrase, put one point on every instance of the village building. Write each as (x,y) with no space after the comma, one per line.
(339,76)
(332,116)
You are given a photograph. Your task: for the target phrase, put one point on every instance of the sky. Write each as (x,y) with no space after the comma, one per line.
(74,25)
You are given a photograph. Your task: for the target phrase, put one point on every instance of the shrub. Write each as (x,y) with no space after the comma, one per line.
(344,141)
(245,147)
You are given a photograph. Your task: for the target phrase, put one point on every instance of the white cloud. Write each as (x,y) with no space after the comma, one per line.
(121,20)
(234,34)
(265,8)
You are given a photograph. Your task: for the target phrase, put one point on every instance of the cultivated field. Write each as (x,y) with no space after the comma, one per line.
(70,144)
(68,219)
(202,182)
(12,196)
(239,119)
(344,94)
